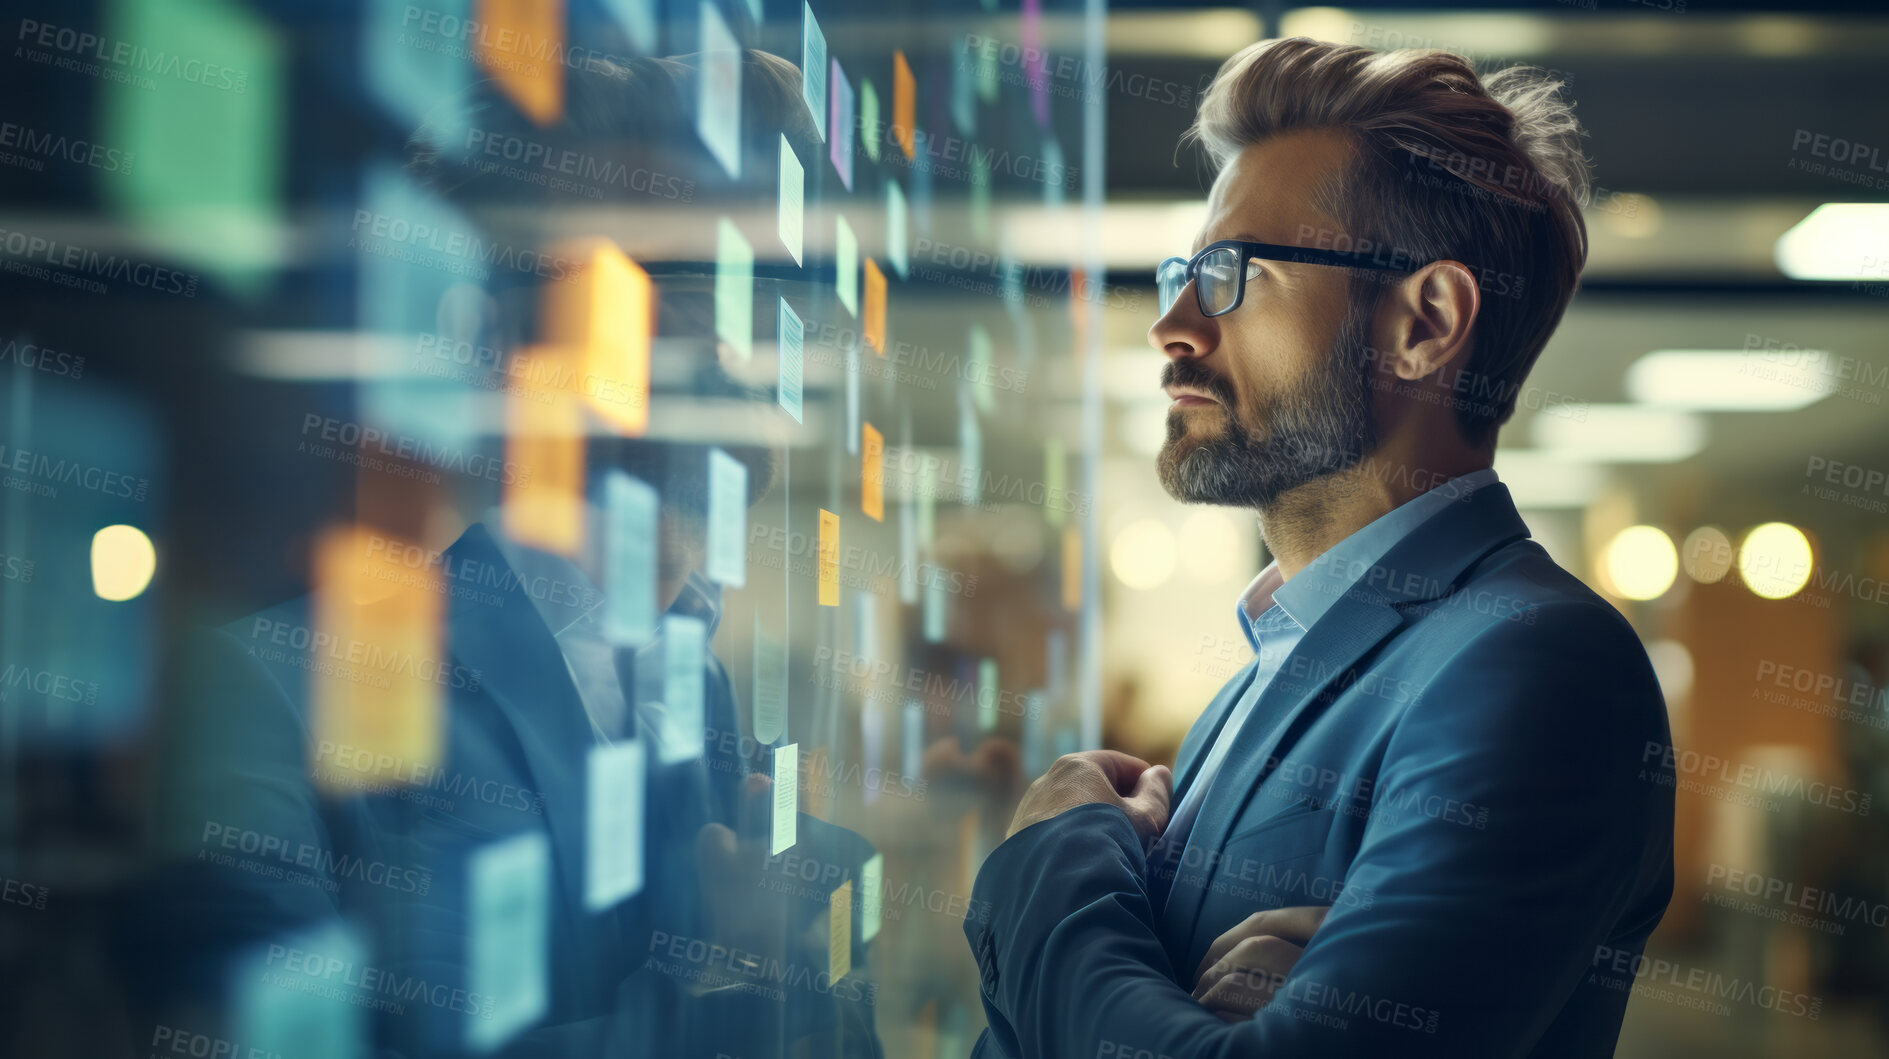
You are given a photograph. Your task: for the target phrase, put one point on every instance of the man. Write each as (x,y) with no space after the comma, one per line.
(1419,821)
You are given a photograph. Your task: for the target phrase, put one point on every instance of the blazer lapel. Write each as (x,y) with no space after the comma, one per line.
(1426,565)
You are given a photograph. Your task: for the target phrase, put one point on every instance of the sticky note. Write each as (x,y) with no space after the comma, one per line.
(1072,568)
(813,67)
(1035,60)
(927,503)
(544,438)
(793,200)
(865,624)
(852,400)
(908,549)
(372,692)
(1056,499)
(896,230)
(786,799)
(613,846)
(629,560)
(988,695)
(685,648)
(718,94)
(1036,757)
(727,546)
(872,896)
(872,473)
(977,368)
(272,1017)
(846,264)
(605,308)
(770,685)
(964,87)
(869,125)
(839,939)
(912,749)
(872,737)
(829,559)
(904,103)
(873,324)
(840,125)
(638,19)
(408,79)
(519,45)
(734,289)
(1055,173)
(791,342)
(934,616)
(1056,661)
(508,950)
(980,196)
(970,454)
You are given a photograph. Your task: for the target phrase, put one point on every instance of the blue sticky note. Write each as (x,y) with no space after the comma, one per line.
(1056,650)
(840,122)
(872,739)
(793,198)
(913,750)
(970,452)
(908,550)
(613,833)
(964,87)
(276,1014)
(895,229)
(865,620)
(685,648)
(989,696)
(629,564)
(415,67)
(813,68)
(852,400)
(638,19)
(508,951)
(727,560)
(786,817)
(935,610)
(1055,173)
(734,289)
(718,98)
(770,685)
(792,345)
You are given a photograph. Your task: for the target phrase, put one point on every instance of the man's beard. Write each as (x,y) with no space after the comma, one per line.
(1321,426)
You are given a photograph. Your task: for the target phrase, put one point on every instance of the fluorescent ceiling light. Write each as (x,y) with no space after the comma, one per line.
(1729,381)
(1622,433)
(1541,480)
(1839,240)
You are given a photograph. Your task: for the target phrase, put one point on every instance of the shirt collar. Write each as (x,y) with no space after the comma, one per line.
(1307,597)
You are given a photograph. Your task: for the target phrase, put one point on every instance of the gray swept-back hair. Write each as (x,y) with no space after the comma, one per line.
(1447,164)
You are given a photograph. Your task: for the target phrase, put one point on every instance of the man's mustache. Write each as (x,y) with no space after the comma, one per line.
(1193,376)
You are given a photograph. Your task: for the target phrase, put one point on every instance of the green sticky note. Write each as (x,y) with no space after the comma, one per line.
(1055,493)
(508,954)
(978,369)
(613,850)
(869,127)
(726,561)
(786,798)
(196,104)
(734,289)
(770,685)
(846,264)
(872,896)
(987,694)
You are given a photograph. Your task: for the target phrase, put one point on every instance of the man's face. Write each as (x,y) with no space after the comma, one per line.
(1273,394)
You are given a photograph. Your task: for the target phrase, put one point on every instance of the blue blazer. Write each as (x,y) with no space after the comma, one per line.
(1463,759)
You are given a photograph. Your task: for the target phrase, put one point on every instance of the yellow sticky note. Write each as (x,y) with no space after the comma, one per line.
(606,312)
(839,940)
(872,472)
(378,668)
(521,44)
(1072,568)
(544,441)
(904,103)
(874,323)
(829,559)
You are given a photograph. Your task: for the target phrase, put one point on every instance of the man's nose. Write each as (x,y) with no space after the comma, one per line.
(1182,331)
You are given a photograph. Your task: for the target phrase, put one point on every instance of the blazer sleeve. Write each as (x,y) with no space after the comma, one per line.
(1480,923)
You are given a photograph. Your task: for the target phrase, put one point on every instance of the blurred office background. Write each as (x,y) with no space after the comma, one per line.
(217,315)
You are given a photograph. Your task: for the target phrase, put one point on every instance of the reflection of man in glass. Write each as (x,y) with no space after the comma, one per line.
(704,959)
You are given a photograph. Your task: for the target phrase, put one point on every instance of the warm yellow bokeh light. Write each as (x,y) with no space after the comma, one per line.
(1708,555)
(123,560)
(1143,555)
(1210,545)
(1775,560)
(1641,562)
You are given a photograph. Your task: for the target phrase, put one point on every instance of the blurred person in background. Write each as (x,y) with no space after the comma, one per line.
(1421,820)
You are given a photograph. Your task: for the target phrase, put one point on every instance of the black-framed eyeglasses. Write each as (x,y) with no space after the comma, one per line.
(1218,272)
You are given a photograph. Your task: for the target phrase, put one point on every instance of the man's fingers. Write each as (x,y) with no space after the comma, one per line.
(1121,769)
(1265,958)
(1240,996)
(1296,925)
(1148,805)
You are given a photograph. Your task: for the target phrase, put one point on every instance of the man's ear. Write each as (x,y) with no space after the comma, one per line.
(1426,320)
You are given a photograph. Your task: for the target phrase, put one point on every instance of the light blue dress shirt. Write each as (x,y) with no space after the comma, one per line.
(1288,609)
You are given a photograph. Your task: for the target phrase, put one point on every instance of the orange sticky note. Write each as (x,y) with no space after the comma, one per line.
(872,472)
(544,442)
(521,44)
(829,559)
(606,312)
(904,103)
(378,667)
(1072,568)
(873,323)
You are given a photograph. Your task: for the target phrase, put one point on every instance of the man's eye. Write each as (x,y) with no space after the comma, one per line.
(1253,270)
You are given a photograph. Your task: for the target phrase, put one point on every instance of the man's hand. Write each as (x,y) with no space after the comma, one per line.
(1247,964)
(1105,776)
